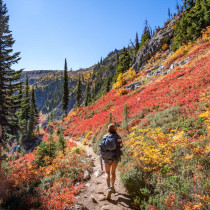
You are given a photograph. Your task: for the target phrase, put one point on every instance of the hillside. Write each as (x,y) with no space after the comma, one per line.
(48,84)
(164,127)
(157,94)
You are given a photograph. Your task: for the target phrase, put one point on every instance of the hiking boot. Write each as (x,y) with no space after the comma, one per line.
(113,190)
(108,193)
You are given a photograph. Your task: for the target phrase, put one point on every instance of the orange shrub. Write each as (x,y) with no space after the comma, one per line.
(122,91)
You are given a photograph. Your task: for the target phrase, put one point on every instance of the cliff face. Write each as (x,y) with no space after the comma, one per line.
(163,36)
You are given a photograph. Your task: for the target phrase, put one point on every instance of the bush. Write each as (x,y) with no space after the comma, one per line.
(122,91)
(159,119)
(45,153)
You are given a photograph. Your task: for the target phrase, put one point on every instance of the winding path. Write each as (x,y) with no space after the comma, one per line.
(92,196)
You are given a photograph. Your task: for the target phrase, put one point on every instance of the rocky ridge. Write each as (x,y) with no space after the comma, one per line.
(163,36)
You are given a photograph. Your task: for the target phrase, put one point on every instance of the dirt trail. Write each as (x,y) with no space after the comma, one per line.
(92,196)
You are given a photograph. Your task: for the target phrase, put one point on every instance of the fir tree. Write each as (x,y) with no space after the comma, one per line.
(61,142)
(125,121)
(124,64)
(78,92)
(25,106)
(195,18)
(137,46)
(169,13)
(146,36)
(108,84)
(33,116)
(7,75)
(88,96)
(65,89)
(117,58)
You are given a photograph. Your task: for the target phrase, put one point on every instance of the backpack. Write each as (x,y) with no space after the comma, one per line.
(109,147)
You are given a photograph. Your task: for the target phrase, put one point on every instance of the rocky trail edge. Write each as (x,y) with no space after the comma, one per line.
(92,196)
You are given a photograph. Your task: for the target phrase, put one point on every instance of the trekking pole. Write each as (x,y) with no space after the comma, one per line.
(101,163)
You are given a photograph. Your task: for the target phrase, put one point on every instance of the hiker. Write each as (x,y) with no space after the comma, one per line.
(111,154)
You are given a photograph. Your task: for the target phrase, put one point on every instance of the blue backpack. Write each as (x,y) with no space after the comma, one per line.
(109,147)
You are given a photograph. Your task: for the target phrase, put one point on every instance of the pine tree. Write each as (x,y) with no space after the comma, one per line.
(88,96)
(61,142)
(146,36)
(169,13)
(125,121)
(7,75)
(33,116)
(124,64)
(137,46)
(25,106)
(65,89)
(19,114)
(108,84)
(78,92)
(117,58)
(195,18)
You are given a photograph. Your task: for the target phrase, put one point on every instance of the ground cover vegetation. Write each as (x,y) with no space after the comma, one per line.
(164,123)
(165,127)
(47,178)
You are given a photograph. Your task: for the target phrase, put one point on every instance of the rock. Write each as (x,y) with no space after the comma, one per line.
(77,184)
(92,198)
(101,198)
(106,207)
(90,169)
(163,36)
(76,207)
(91,162)
(87,184)
(133,86)
(98,173)
(86,175)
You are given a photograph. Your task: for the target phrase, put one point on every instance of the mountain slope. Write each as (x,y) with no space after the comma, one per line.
(165,130)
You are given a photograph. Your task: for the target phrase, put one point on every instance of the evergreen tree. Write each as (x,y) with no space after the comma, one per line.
(124,64)
(25,106)
(65,89)
(61,142)
(33,117)
(146,36)
(169,13)
(88,96)
(195,18)
(7,75)
(117,58)
(137,46)
(78,92)
(125,121)
(108,84)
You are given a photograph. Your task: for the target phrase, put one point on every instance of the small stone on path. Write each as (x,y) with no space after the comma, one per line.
(87,184)
(93,199)
(107,207)
(98,173)
(86,175)
(101,198)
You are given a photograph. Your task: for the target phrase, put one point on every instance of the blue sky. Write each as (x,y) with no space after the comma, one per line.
(48,31)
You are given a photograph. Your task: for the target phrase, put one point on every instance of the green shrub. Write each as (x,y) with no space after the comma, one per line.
(159,119)
(45,149)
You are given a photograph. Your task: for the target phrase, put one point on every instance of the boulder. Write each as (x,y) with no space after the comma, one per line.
(132,86)
(163,36)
